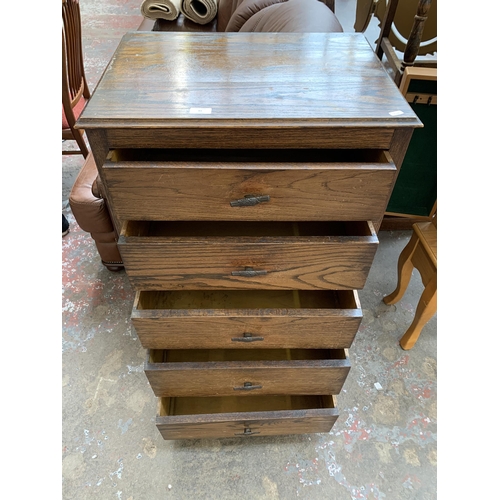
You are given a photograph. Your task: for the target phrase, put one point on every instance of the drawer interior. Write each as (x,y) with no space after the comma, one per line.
(231,404)
(238,229)
(247,299)
(224,355)
(253,156)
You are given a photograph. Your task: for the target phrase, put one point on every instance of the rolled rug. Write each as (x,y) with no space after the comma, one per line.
(200,11)
(164,9)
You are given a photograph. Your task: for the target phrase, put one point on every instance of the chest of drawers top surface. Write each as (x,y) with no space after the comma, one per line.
(281,79)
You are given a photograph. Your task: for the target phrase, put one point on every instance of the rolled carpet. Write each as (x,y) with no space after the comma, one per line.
(200,11)
(164,9)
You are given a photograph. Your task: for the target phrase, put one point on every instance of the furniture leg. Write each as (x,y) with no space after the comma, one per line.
(81,142)
(426,308)
(405,267)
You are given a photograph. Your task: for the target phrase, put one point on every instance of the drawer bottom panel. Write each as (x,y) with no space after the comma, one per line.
(220,417)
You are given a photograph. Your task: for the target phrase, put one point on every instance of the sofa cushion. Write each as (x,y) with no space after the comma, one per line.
(225,11)
(293,16)
(77,111)
(245,10)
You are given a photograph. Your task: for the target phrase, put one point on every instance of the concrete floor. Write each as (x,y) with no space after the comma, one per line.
(383,446)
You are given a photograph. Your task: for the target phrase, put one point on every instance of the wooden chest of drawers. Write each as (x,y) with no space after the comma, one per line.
(251,172)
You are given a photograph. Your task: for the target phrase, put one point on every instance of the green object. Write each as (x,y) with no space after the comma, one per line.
(415,191)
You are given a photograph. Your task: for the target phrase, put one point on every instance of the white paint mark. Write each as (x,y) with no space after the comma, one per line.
(118,472)
(124,426)
(378,386)
(138,368)
(99,385)
(396,113)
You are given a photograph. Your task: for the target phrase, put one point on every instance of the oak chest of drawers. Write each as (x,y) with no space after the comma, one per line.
(250,172)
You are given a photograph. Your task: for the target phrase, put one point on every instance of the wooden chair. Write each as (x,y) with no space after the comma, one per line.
(421,253)
(408,40)
(75,91)
(401,29)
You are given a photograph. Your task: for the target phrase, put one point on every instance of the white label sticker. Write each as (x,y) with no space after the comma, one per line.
(396,113)
(200,111)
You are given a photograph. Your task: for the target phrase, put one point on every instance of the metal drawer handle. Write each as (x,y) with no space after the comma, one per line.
(247,337)
(247,386)
(250,200)
(246,432)
(249,271)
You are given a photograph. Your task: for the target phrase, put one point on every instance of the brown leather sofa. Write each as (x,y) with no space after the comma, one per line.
(88,198)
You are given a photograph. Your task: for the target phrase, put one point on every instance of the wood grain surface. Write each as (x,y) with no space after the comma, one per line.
(250,319)
(244,425)
(246,134)
(225,372)
(241,77)
(286,262)
(301,185)
(190,406)
(181,418)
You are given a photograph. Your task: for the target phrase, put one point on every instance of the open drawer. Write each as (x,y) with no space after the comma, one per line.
(246,319)
(259,184)
(250,255)
(237,372)
(219,417)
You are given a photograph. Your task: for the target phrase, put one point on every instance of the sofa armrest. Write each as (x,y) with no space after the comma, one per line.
(92,214)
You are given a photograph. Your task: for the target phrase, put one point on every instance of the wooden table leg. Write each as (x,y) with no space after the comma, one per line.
(426,308)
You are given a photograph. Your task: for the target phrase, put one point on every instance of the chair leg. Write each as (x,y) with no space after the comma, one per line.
(81,142)
(405,267)
(426,308)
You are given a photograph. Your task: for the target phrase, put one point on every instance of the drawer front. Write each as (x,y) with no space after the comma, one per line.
(216,417)
(246,319)
(268,373)
(344,190)
(249,262)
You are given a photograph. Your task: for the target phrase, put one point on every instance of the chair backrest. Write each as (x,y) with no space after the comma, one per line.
(74,83)
(401,23)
